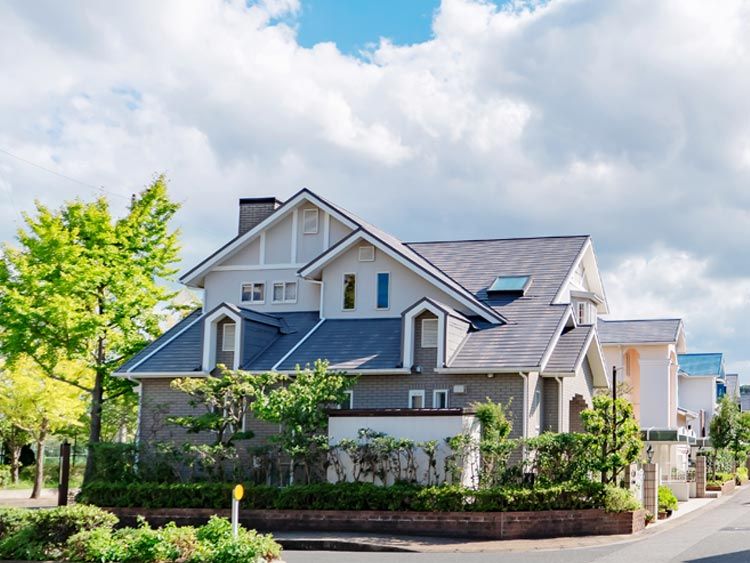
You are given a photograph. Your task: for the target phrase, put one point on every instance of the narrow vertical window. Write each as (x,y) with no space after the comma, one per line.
(227,337)
(350,291)
(310,221)
(384,283)
(440,399)
(429,333)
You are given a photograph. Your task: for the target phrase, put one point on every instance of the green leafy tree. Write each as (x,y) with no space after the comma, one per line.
(39,406)
(224,401)
(616,436)
(729,431)
(81,285)
(299,405)
(494,445)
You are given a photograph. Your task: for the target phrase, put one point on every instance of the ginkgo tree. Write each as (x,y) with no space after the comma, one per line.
(41,406)
(83,285)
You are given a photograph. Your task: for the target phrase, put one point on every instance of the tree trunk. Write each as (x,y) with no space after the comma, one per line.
(39,469)
(95,432)
(15,463)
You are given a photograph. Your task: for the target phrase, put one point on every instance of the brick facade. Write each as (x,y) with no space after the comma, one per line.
(475,525)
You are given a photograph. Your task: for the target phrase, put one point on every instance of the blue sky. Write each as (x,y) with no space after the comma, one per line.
(623,119)
(354,24)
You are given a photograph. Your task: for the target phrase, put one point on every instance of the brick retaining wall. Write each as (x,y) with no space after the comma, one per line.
(474,525)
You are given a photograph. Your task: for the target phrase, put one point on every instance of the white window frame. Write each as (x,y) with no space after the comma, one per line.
(350,395)
(437,333)
(343,292)
(283,285)
(316,213)
(435,395)
(253,284)
(377,276)
(369,247)
(416,393)
(224,338)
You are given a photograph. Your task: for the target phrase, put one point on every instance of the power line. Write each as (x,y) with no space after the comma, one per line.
(35,165)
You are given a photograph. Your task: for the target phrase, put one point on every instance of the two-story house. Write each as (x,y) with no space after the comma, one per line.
(426,325)
(645,354)
(702,384)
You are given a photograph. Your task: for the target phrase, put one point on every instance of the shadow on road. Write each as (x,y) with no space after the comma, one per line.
(735,557)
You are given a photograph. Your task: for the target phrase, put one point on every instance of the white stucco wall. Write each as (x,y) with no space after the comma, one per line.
(696,394)
(417,428)
(406,286)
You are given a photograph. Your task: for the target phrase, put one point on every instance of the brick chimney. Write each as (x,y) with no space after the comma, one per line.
(253,210)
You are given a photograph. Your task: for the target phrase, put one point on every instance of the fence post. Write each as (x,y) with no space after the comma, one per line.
(62,486)
(651,488)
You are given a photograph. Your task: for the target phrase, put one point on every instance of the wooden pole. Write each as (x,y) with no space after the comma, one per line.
(62,487)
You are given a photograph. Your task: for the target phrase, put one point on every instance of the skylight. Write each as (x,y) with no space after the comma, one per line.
(510,284)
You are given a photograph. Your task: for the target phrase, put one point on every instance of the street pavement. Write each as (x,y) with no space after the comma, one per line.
(718,533)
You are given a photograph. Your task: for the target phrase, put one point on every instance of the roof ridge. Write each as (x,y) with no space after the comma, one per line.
(638,320)
(497,239)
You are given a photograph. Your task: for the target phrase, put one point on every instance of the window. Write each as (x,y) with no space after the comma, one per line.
(285,292)
(310,221)
(367,253)
(227,337)
(440,399)
(429,333)
(350,290)
(348,402)
(383,297)
(583,313)
(253,292)
(416,399)
(510,284)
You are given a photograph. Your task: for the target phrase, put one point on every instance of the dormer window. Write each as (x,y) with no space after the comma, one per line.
(367,253)
(310,221)
(509,285)
(584,311)
(429,333)
(227,337)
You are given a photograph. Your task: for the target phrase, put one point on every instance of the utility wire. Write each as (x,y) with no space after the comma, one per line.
(35,165)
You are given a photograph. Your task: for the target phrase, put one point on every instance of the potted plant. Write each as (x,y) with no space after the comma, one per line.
(667,501)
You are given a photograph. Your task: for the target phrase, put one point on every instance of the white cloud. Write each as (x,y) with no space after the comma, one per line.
(625,119)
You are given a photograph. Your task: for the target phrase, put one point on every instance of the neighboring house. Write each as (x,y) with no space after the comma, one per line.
(745,400)
(732,386)
(426,325)
(645,354)
(702,384)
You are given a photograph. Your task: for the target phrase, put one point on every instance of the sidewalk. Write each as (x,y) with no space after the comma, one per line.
(20,498)
(293,541)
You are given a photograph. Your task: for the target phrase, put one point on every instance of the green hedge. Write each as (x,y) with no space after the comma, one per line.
(347,496)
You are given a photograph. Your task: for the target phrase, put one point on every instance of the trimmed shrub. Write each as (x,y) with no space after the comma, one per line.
(350,496)
(667,500)
(617,499)
(740,475)
(212,543)
(5,475)
(41,534)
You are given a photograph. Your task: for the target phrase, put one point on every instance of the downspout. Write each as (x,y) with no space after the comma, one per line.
(524,421)
(559,404)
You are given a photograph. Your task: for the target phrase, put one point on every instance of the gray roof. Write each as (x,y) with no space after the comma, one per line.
(300,324)
(532,319)
(351,344)
(182,351)
(638,331)
(569,349)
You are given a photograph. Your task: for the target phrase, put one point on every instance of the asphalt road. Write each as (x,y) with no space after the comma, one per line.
(719,534)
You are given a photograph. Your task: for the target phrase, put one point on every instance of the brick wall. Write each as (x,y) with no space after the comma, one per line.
(476,525)
(255,210)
